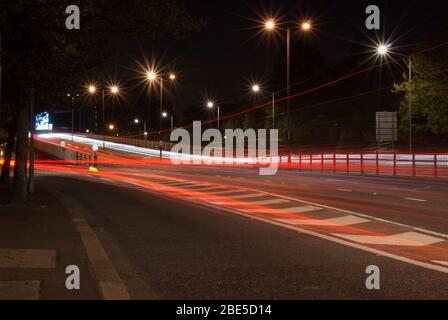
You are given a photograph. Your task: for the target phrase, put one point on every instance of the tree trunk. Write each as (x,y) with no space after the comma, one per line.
(6,168)
(20,190)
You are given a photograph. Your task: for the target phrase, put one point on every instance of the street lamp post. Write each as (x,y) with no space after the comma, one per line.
(211,105)
(114,90)
(271,25)
(153,76)
(73,98)
(165,115)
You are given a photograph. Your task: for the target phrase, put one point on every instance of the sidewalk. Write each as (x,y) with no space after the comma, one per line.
(37,243)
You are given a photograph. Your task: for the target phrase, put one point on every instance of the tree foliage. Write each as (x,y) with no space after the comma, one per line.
(425,92)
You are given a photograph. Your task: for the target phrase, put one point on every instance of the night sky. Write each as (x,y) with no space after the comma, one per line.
(232,51)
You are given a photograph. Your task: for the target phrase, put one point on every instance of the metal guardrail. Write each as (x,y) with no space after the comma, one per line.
(432,165)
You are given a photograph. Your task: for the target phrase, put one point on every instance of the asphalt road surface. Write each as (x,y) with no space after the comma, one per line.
(168,244)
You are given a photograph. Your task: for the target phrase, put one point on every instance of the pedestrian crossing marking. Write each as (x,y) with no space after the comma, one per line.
(334,222)
(412,239)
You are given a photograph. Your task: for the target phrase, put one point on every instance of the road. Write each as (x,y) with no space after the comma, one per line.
(227,233)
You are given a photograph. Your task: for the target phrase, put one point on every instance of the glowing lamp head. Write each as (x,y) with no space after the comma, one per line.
(270,25)
(164,114)
(306,26)
(136,121)
(256,88)
(114,90)
(151,75)
(383,49)
(210,104)
(92,89)
(111,127)
(172,77)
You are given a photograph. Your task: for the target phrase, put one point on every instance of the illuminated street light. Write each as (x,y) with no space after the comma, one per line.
(136,121)
(256,88)
(114,90)
(164,114)
(270,25)
(151,75)
(172,77)
(383,49)
(306,26)
(211,105)
(111,127)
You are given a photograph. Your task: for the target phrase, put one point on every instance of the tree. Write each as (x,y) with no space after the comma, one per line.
(40,55)
(426,93)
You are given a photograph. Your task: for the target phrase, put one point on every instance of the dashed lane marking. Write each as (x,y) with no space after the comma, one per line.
(417,200)
(335,222)
(344,190)
(412,239)
(27,259)
(20,290)
(303,209)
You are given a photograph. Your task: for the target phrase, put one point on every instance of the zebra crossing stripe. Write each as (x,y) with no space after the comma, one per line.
(334,222)
(412,239)
(27,259)
(176,183)
(268,202)
(249,196)
(211,188)
(303,209)
(228,192)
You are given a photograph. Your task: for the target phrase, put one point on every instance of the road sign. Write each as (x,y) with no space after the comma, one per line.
(386,127)
(63,144)
(95,148)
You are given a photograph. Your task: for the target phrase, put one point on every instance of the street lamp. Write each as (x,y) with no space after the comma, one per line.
(210,104)
(73,99)
(383,49)
(114,90)
(271,25)
(165,115)
(172,78)
(256,88)
(152,76)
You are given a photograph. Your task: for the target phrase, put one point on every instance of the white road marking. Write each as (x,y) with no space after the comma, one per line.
(330,238)
(445,263)
(228,192)
(335,222)
(211,188)
(20,290)
(302,209)
(27,259)
(344,190)
(249,196)
(350,212)
(176,183)
(107,180)
(268,202)
(412,239)
(418,200)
